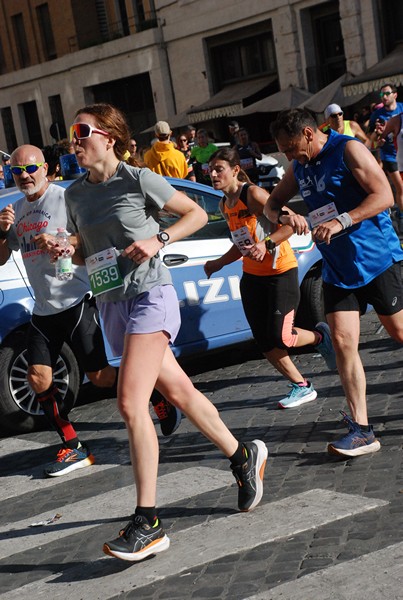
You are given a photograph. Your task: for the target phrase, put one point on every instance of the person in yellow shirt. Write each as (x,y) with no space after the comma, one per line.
(335,120)
(163,158)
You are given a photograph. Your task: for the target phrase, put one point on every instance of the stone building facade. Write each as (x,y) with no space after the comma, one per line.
(160,59)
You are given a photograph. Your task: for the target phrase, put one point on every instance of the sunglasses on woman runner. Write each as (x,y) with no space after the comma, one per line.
(81,131)
(18,169)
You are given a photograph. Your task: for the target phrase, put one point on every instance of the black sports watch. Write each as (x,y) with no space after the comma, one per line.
(270,245)
(163,237)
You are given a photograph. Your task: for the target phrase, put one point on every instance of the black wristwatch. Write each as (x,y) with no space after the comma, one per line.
(270,245)
(282,213)
(163,237)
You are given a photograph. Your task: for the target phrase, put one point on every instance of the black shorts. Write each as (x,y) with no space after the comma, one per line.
(389,166)
(78,326)
(267,301)
(385,293)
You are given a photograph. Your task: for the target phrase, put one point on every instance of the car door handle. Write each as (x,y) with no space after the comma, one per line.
(172,260)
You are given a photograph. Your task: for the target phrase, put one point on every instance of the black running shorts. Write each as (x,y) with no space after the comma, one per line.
(78,326)
(270,303)
(385,293)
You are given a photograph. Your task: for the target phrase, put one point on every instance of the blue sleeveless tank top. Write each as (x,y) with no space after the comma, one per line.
(365,250)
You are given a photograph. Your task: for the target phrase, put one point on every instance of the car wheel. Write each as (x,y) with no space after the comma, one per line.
(19,411)
(311,309)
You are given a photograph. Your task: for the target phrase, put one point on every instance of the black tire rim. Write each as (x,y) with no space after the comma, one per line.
(22,393)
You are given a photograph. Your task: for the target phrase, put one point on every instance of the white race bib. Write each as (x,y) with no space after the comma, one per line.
(242,239)
(103,271)
(322,214)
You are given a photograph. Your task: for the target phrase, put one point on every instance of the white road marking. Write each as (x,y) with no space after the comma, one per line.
(80,516)
(33,479)
(205,543)
(378,575)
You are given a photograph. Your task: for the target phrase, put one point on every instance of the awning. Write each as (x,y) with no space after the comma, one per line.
(229,101)
(291,97)
(387,70)
(332,93)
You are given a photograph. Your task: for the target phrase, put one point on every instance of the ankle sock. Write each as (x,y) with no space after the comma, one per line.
(365,428)
(239,456)
(148,512)
(304,383)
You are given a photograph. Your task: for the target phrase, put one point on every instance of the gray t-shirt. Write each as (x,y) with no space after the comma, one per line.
(114,214)
(45,215)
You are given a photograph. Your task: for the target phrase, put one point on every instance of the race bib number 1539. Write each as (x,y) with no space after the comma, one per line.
(103,271)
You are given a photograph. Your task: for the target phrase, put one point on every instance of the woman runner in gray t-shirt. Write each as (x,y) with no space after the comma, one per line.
(115,206)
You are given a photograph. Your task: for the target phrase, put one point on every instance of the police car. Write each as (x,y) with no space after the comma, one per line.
(212,314)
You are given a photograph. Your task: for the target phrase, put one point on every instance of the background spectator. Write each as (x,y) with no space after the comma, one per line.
(163,158)
(248,153)
(233,129)
(183,146)
(335,119)
(200,156)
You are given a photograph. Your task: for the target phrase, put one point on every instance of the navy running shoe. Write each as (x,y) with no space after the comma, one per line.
(356,442)
(70,459)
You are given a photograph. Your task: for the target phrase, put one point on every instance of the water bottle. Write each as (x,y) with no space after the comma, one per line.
(64,264)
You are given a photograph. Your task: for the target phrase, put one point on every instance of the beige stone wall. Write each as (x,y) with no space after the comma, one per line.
(180,38)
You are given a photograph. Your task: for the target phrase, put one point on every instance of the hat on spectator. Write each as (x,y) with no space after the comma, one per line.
(162,128)
(332,109)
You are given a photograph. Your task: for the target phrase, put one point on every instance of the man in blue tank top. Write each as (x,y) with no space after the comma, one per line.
(348,197)
(377,122)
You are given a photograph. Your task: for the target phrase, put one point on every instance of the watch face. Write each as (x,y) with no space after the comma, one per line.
(164,237)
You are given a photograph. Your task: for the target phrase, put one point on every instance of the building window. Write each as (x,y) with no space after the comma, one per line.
(56,112)
(391,23)
(45,26)
(9,131)
(32,125)
(141,113)
(2,59)
(123,23)
(241,55)
(21,40)
(326,60)
(144,14)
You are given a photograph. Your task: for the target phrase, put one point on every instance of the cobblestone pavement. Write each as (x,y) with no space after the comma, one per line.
(318,513)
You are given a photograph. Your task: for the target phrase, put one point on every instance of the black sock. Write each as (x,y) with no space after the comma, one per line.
(73,444)
(148,512)
(365,428)
(239,456)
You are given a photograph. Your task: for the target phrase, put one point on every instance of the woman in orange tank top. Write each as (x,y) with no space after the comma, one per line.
(269,285)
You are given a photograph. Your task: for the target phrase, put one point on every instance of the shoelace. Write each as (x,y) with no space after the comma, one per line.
(63,453)
(296,388)
(348,421)
(161,410)
(134,524)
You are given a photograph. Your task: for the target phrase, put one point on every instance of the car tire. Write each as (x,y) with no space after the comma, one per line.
(311,309)
(19,412)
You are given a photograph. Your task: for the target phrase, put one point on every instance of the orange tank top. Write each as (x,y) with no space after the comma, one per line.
(246,229)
